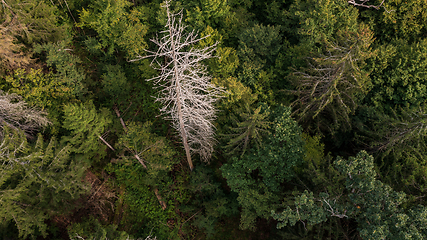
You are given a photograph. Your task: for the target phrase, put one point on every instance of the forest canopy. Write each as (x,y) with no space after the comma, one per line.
(209,119)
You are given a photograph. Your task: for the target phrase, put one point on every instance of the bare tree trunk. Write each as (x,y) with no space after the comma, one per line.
(184,137)
(178,105)
(121,119)
(187,94)
(156,191)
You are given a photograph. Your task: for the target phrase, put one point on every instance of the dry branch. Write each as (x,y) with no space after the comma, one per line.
(186,92)
(364,4)
(156,191)
(15,113)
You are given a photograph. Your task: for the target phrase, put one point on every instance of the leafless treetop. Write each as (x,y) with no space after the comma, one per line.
(186,92)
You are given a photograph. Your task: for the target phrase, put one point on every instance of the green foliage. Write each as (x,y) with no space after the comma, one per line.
(256,177)
(36,182)
(223,68)
(143,212)
(317,171)
(398,75)
(258,49)
(33,21)
(117,27)
(238,94)
(120,85)
(330,86)
(210,13)
(66,65)
(260,44)
(214,14)
(399,139)
(138,147)
(398,19)
(376,207)
(208,204)
(307,210)
(226,63)
(92,229)
(251,127)
(138,144)
(354,76)
(114,81)
(322,21)
(86,125)
(43,91)
(284,149)
(39,89)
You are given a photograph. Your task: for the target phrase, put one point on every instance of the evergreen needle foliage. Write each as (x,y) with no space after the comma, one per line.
(36,181)
(252,127)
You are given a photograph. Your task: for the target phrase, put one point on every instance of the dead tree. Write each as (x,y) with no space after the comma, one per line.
(16,114)
(328,88)
(186,92)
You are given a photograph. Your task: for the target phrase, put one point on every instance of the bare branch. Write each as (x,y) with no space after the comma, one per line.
(106,143)
(186,92)
(15,113)
(364,4)
(136,155)
(331,79)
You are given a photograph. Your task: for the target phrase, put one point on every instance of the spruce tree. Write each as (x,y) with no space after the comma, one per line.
(36,182)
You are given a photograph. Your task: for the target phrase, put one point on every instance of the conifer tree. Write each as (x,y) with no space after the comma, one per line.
(378,209)
(187,94)
(251,128)
(33,21)
(87,126)
(36,182)
(257,176)
(329,87)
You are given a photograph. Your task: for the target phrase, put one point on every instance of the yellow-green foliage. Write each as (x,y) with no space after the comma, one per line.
(238,94)
(39,89)
(117,27)
(400,19)
(314,149)
(399,76)
(86,125)
(213,13)
(42,90)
